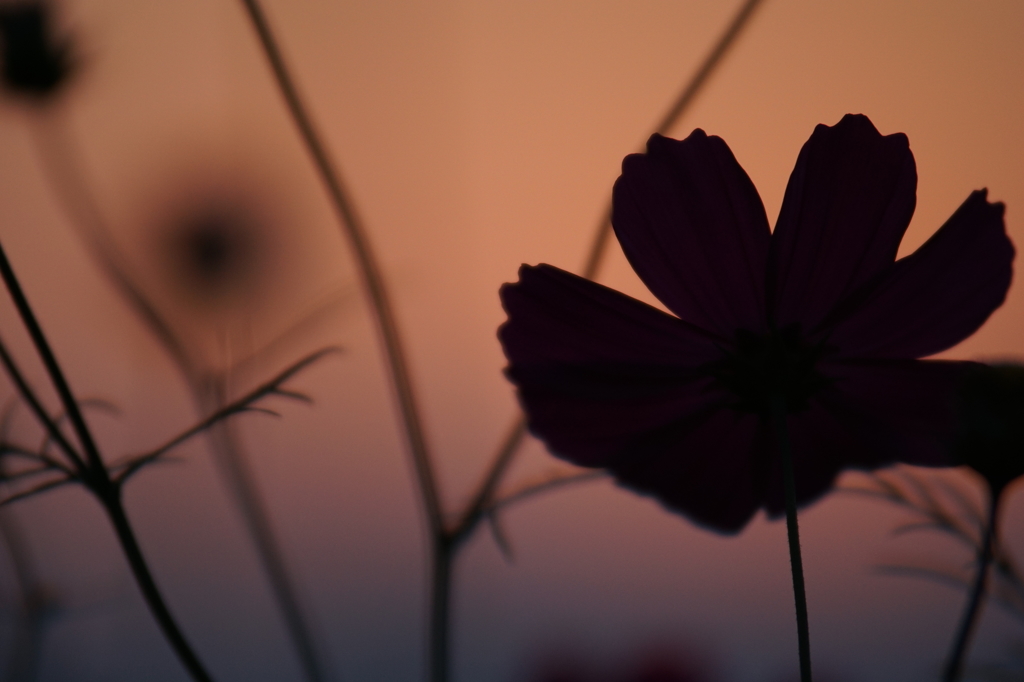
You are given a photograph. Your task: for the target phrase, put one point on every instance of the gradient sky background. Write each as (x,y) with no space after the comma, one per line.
(475,136)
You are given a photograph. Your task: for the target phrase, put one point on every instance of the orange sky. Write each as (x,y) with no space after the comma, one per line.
(475,136)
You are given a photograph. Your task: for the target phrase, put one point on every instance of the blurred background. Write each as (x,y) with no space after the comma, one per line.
(475,136)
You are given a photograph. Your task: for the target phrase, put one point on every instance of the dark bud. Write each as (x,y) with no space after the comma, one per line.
(34,63)
(990,434)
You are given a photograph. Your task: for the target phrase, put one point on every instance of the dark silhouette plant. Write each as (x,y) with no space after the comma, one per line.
(445,539)
(84,464)
(792,354)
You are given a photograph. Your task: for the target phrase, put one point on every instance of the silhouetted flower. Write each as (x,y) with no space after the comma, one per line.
(816,314)
(34,63)
(990,437)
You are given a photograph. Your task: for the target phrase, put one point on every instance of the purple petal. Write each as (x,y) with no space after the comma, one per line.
(596,369)
(694,229)
(710,468)
(939,295)
(848,203)
(875,413)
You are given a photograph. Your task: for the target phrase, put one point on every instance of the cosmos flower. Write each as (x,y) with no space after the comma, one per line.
(816,317)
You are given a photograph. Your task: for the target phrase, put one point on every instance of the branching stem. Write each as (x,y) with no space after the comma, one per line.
(94,473)
(115,510)
(955,664)
(444,541)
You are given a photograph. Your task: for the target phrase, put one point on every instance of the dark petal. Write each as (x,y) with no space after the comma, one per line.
(940,294)
(597,369)
(710,468)
(847,205)
(694,229)
(875,413)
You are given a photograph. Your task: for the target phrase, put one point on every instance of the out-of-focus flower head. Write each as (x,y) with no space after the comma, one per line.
(817,317)
(990,438)
(214,245)
(654,665)
(213,252)
(35,61)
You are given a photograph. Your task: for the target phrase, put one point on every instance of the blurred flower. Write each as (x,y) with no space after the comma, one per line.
(662,664)
(990,438)
(817,314)
(212,252)
(34,62)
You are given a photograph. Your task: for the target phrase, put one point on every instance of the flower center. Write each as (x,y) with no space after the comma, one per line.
(764,368)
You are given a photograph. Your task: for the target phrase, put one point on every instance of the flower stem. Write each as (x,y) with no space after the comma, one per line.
(236,470)
(62,160)
(35,603)
(95,475)
(954,667)
(440,601)
(374,286)
(373,280)
(115,510)
(796,564)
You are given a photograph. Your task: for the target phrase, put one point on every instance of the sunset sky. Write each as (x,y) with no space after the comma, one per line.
(475,136)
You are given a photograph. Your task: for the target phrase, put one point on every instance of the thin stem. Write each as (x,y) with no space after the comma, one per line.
(271,387)
(115,510)
(478,504)
(28,318)
(35,603)
(63,163)
(954,667)
(543,487)
(370,272)
(95,474)
(232,459)
(779,414)
(440,605)
(681,104)
(29,396)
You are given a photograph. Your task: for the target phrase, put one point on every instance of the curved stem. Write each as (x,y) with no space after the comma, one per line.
(681,104)
(955,664)
(779,413)
(35,603)
(373,281)
(63,163)
(115,510)
(53,369)
(97,478)
(236,470)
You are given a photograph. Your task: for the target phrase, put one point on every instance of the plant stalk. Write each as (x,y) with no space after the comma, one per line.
(115,510)
(96,477)
(969,621)
(779,413)
(440,603)
(373,280)
(236,470)
(63,163)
